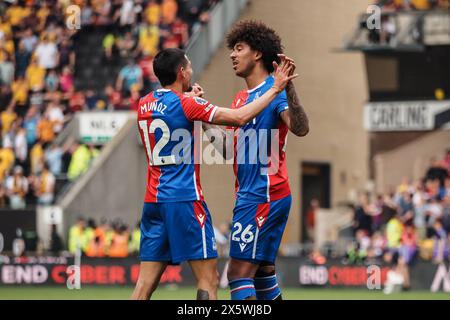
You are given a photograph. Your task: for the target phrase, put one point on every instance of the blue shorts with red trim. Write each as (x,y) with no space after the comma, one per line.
(177,231)
(258,229)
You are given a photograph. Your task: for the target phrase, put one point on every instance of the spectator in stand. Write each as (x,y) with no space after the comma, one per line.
(133,99)
(45,129)
(447,161)
(53,157)
(29,40)
(37,158)
(362,219)
(94,152)
(150,81)
(394,231)
(406,208)
(408,248)
(126,44)
(126,14)
(195,12)
(86,16)
(446,214)
(433,212)
(119,242)
(171,42)
(128,76)
(45,187)
(6,70)
(42,14)
(22,59)
(51,81)
(432,188)
(15,13)
(440,250)
(377,217)
(5,27)
(97,246)
(148,39)
(88,234)
(91,99)
(420,4)
(7,43)
(77,102)
(66,80)
(56,116)
(446,189)
(79,164)
(66,53)
(3,196)
(378,245)
(7,118)
(135,239)
(20,90)
(404,186)
(17,188)
(21,147)
(180,30)
(113,98)
(5,95)
(363,244)
(76,235)
(152,13)
(108,45)
(437,171)
(47,54)
(30,124)
(7,159)
(35,76)
(169,10)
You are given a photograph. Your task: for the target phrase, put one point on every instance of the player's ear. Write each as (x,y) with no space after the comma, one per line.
(258,55)
(182,72)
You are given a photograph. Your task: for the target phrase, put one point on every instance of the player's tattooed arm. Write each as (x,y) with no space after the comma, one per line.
(296,118)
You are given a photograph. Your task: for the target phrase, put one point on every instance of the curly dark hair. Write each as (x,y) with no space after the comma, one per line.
(260,38)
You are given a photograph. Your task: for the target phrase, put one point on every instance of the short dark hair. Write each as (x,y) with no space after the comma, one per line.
(166,64)
(260,38)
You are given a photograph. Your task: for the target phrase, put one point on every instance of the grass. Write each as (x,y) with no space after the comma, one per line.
(174,293)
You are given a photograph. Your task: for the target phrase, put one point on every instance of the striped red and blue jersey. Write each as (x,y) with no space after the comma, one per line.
(166,126)
(255,182)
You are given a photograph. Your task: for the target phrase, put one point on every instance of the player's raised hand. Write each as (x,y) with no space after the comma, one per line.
(283,74)
(196,91)
(286,59)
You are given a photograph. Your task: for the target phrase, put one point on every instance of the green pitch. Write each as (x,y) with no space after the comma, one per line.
(174,293)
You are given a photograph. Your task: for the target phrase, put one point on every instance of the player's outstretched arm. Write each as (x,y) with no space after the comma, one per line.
(240,117)
(218,137)
(295,117)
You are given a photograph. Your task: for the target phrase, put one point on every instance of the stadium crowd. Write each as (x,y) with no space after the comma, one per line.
(37,86)
(389,25)
(106,239)
(115,239)
(412,220)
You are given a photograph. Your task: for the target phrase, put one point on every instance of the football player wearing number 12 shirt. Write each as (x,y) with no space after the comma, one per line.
(176,224)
